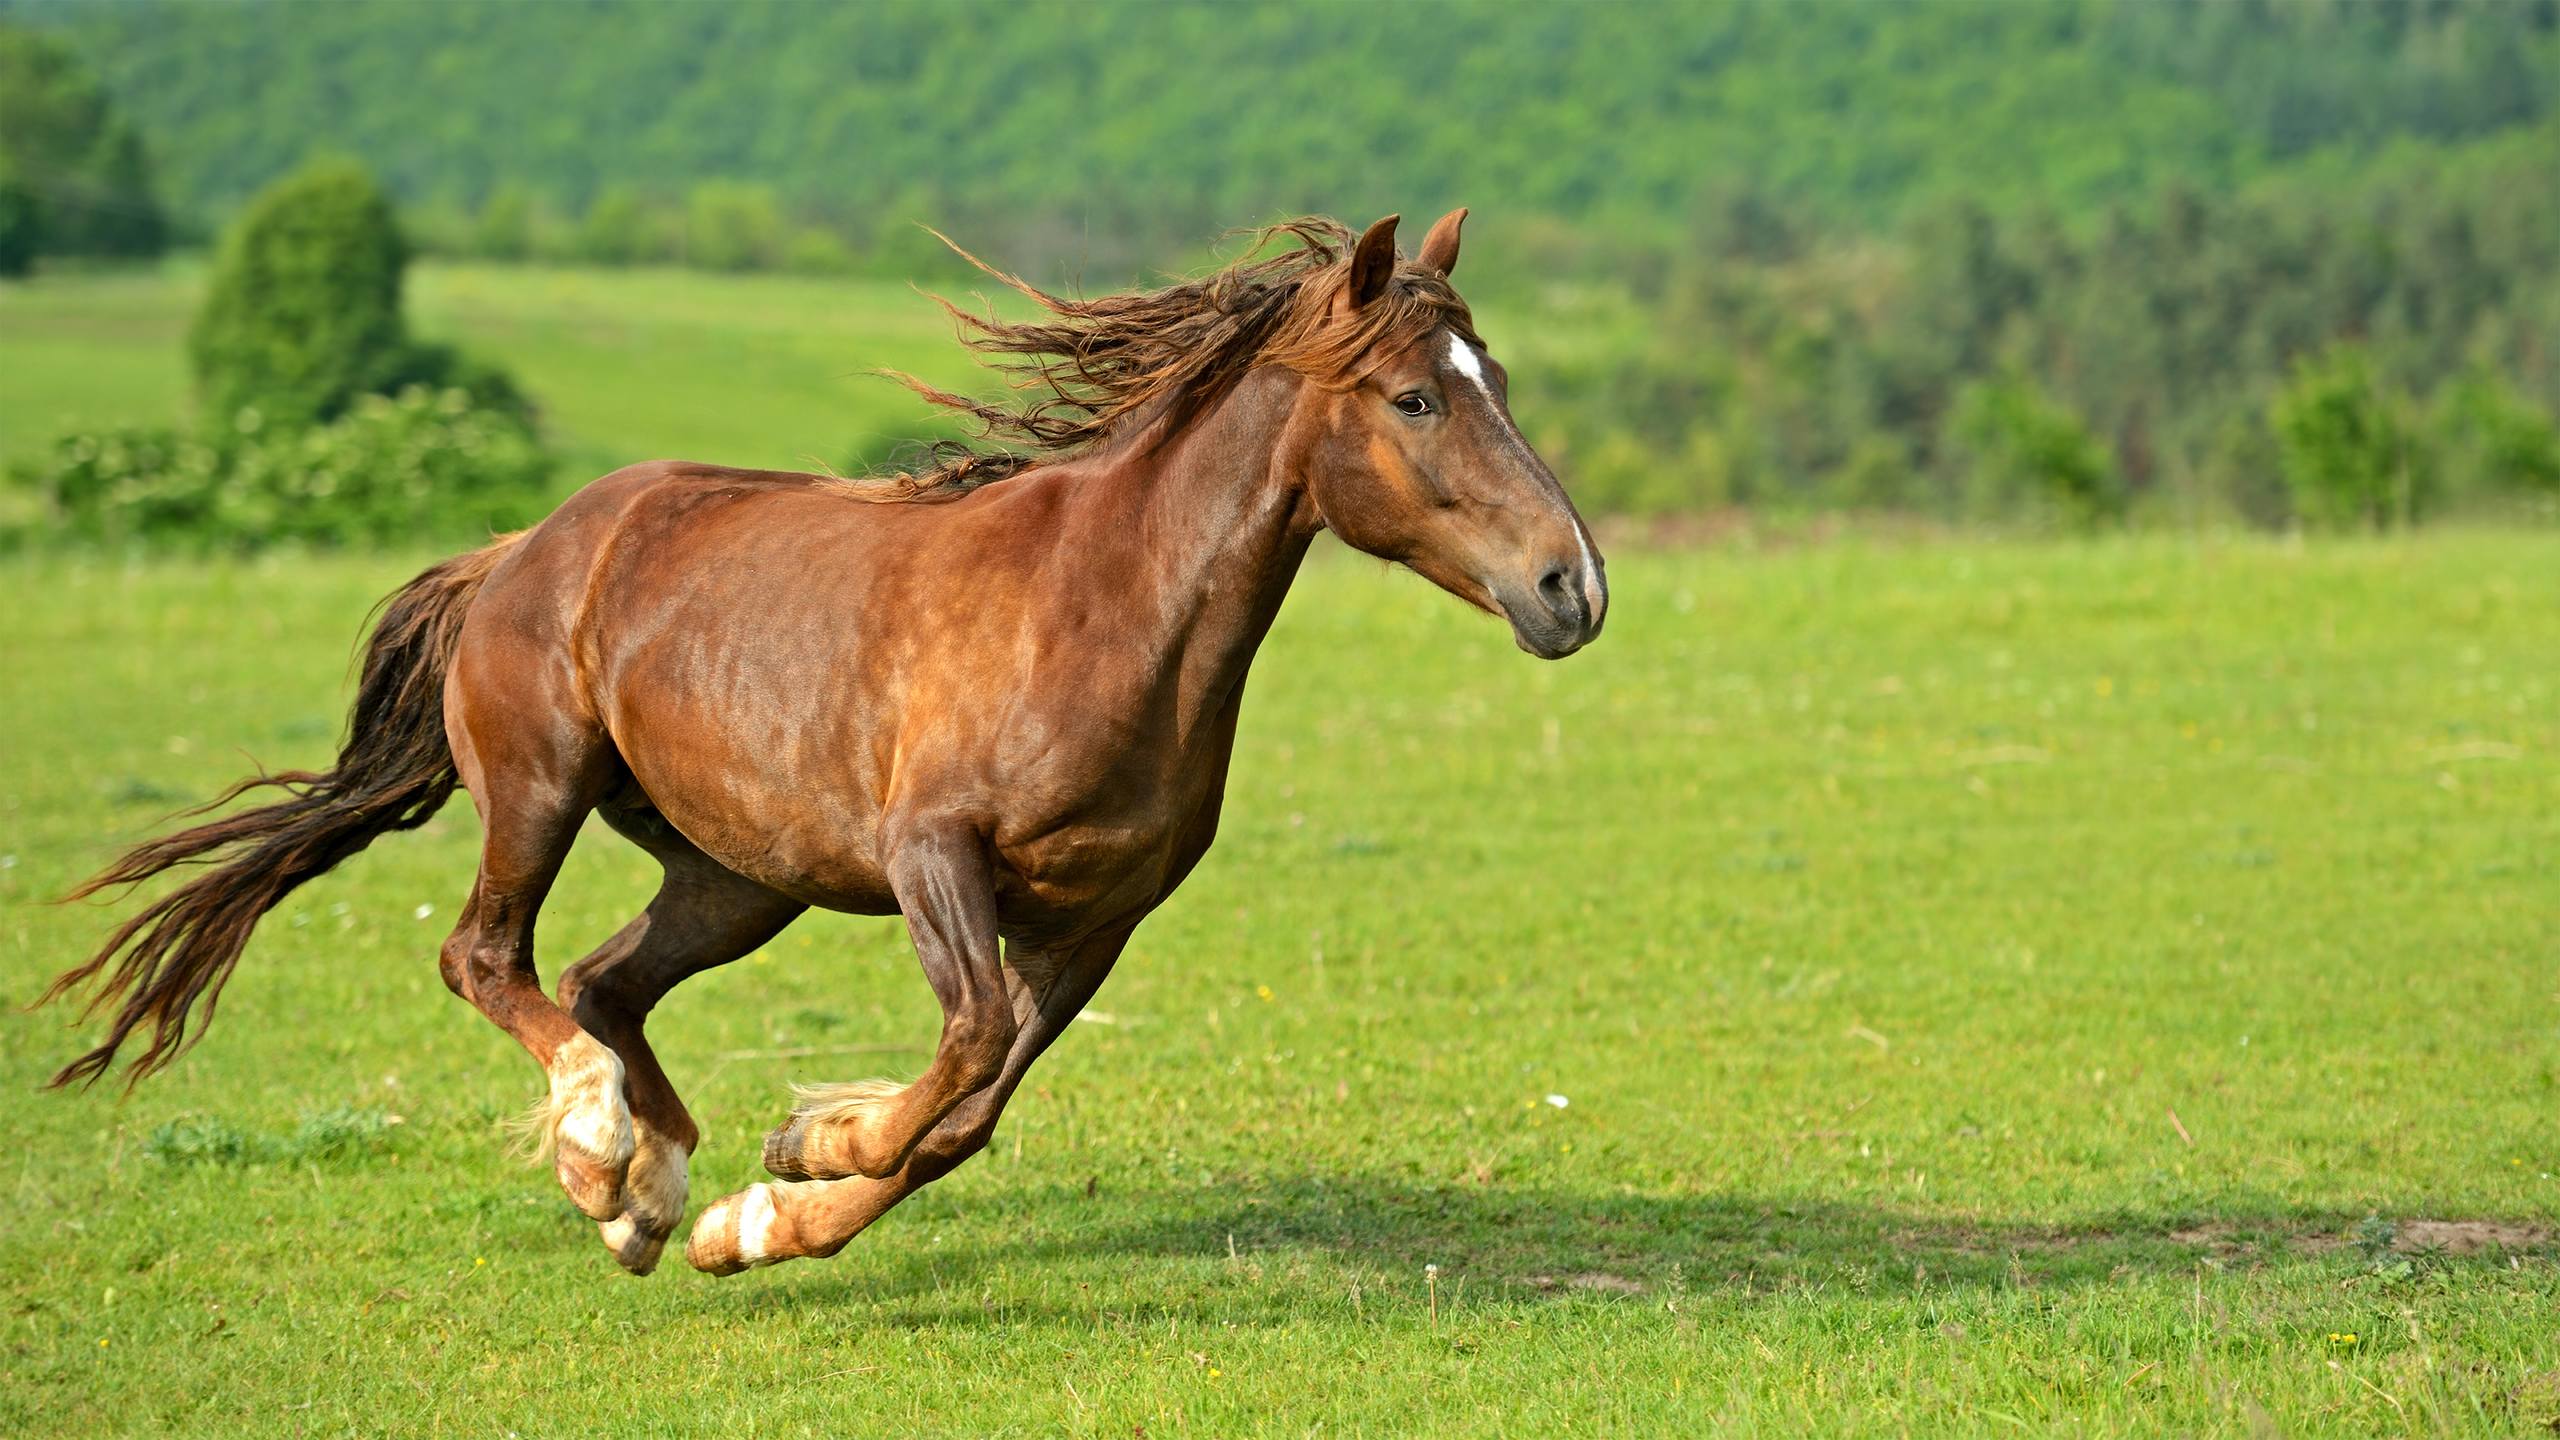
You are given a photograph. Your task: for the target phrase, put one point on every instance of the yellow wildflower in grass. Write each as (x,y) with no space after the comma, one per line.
(2342,1339)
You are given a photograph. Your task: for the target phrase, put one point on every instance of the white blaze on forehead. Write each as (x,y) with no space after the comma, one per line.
(1463,355)
(1464,359)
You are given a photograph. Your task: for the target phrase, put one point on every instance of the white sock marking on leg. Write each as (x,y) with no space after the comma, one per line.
(586,1098)
(755,1222)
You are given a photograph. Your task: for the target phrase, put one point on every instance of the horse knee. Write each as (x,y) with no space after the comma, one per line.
(587,989)
(477,968)
(453,962)
(979,1044)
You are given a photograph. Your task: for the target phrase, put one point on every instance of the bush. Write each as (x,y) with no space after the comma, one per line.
(730,225)
(505,228)
(432,365)
(2344,442)
(323,422)
(815,250)
(615,229)
(303,314)
(2029,450)
(423,466)
(2493,441)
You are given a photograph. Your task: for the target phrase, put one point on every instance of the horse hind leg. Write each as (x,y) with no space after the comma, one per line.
(534,773)
(703,916)
(581,1123)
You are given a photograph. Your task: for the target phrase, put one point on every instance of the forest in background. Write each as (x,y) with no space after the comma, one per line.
(2289,261)
(1120,134)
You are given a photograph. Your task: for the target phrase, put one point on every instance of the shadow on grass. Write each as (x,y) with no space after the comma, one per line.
(1268,1251)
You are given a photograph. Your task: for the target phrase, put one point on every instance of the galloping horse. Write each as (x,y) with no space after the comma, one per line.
(996,696)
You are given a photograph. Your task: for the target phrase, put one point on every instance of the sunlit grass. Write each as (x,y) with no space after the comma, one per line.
(624,365)
(764,370)
(1988,988)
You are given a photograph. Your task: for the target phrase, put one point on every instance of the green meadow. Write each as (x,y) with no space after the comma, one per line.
(1937,986)
(1953,988)
(765,370)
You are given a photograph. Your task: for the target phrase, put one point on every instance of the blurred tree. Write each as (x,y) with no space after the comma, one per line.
(21,225)
(614,229)
(79,180)
(2349,453)
(303,311)
(303,314)
(1101,133)
(730,225)
(504,229)
(2493,441)
(2025,450)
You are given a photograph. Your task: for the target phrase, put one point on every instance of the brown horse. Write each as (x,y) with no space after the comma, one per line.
(1003,711)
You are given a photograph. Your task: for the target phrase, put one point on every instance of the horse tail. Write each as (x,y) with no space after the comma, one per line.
(395,769)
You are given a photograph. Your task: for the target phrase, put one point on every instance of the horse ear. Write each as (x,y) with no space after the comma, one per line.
(1373,264)
(1440,247)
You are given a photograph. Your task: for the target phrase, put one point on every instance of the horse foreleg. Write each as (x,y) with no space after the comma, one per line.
(789,1220)
(947,893)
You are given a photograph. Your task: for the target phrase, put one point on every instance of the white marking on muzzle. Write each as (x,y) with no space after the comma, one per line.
(1462,356)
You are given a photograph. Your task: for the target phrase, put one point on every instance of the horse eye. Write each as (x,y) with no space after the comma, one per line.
(1413,403)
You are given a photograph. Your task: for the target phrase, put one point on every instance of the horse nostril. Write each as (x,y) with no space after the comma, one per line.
(1560,591)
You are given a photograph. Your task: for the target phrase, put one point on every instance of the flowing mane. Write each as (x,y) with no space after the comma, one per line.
(1091,367)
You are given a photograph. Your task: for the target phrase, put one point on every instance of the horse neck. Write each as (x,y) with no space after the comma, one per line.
(1208,529)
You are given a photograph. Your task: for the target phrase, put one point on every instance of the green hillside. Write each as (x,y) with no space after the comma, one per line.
(2070,263)
(1110,131)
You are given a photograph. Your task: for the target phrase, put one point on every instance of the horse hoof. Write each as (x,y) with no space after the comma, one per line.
(790,1155)
(635,1246)
(653,1195)
(782,1151)
(594,1188)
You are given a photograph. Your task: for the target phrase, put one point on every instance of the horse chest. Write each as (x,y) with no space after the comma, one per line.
(1098,852)
(1110,858)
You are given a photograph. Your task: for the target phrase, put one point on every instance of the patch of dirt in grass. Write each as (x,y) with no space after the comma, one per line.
(1599,1280)
(2539,1398)
(2232,1239)
(2409,1237)
(2226,1240)
(2468,1237)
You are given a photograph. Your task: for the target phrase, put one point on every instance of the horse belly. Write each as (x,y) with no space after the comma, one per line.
(804,831)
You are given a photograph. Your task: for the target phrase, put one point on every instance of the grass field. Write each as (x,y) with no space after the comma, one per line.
(770,370)
(626,365)
(1933,989)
